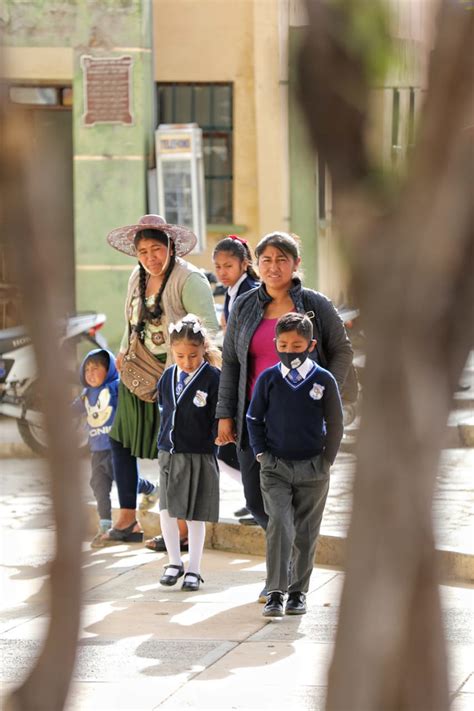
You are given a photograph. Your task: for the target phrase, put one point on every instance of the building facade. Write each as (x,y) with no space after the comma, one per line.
(227,66)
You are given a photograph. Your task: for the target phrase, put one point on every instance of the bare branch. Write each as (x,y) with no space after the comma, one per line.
(412,270)
(25,191)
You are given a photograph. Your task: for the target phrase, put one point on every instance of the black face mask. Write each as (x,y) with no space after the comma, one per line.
(293,360)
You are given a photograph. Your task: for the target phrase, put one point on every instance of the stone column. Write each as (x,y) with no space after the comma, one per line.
(110,158)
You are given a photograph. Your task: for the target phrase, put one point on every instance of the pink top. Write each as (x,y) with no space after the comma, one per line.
(262,353)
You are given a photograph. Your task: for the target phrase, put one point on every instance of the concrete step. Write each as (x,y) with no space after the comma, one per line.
(229,535)
(465,398)
(459,431)
(452,515)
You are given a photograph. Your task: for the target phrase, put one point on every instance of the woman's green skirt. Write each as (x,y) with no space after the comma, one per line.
(136,424)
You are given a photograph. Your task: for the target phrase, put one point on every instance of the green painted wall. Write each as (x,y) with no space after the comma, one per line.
(110,160)
(110,169)
(104,291)
(109,194)
(70,23)
(303,177)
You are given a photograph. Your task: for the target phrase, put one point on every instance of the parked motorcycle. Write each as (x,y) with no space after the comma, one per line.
(352,323)
(20,393)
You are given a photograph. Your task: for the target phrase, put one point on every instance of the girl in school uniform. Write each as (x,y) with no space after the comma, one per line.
(189,475)
(233,264)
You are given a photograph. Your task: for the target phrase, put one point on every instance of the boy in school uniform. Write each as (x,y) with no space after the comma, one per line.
(295,427)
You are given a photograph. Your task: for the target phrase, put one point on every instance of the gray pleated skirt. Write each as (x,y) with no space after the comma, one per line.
(189,486)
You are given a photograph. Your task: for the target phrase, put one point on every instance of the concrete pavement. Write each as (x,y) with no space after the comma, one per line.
(453,513)
(453,510)
(142,647)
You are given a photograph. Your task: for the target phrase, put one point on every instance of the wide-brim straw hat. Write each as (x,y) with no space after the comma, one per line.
(122,238)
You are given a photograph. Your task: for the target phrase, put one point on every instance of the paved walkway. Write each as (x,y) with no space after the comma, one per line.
(453,509)
(142,647)
(453,504)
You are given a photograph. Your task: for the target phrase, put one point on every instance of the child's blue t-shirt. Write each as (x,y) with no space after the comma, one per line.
(99,404)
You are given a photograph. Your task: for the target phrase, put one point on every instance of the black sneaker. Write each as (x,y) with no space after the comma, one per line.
(296,604)
(274,605)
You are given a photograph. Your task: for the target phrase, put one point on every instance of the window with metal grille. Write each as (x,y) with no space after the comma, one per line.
(210,106)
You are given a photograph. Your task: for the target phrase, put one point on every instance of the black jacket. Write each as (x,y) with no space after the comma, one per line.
(247,284)
(245,316)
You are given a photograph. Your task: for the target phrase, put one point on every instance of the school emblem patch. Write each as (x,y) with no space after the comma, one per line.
(317,391)
(200,398)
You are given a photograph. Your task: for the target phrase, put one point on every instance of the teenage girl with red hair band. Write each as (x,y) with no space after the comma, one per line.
(233,265)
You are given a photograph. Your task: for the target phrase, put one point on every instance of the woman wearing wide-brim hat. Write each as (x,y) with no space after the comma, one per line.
(162,289)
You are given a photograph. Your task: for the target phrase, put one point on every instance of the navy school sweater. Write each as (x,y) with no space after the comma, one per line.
(295,421)
(247,284)
(188,423)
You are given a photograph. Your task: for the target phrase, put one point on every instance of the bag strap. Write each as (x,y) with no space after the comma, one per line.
(317,328)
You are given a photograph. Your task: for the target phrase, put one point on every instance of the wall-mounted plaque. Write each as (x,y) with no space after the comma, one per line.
(107,90)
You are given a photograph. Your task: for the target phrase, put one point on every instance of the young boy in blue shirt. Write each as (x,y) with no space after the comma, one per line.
(295,428)
(98,402)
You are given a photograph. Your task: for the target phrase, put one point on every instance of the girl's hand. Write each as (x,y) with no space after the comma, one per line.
(225,431)
(118,361)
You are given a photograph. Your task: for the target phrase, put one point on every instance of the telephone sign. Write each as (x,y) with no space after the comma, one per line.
(180,177)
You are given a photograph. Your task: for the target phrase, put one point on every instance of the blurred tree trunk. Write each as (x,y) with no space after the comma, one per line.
(25,192)
(411,260)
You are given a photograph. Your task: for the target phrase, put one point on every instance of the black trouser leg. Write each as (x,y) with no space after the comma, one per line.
(250,471)
(127,478)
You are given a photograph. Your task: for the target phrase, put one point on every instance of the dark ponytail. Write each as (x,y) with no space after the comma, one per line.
(237,247)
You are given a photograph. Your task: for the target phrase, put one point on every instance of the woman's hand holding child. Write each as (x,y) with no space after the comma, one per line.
(225,432)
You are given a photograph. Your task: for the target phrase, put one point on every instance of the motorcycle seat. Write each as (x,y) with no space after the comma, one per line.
(13,338)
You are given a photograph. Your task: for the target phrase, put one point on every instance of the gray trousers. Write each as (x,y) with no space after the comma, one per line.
(101,482)
(294,495)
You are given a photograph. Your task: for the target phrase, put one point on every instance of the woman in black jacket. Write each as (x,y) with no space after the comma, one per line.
(249,347)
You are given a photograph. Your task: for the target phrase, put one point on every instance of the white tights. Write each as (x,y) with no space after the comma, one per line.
(196,536)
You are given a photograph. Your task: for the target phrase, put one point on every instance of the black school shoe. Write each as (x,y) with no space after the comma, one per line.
(274,604)
(296,604)
(191,582)
(172,578)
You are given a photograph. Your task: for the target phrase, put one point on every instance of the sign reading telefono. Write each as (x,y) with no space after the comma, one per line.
(107,90)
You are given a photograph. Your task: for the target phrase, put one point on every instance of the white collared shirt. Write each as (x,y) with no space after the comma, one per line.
(187,378)
(305,367)
(232,290)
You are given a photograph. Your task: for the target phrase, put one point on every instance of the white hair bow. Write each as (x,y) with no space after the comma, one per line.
(189,320)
